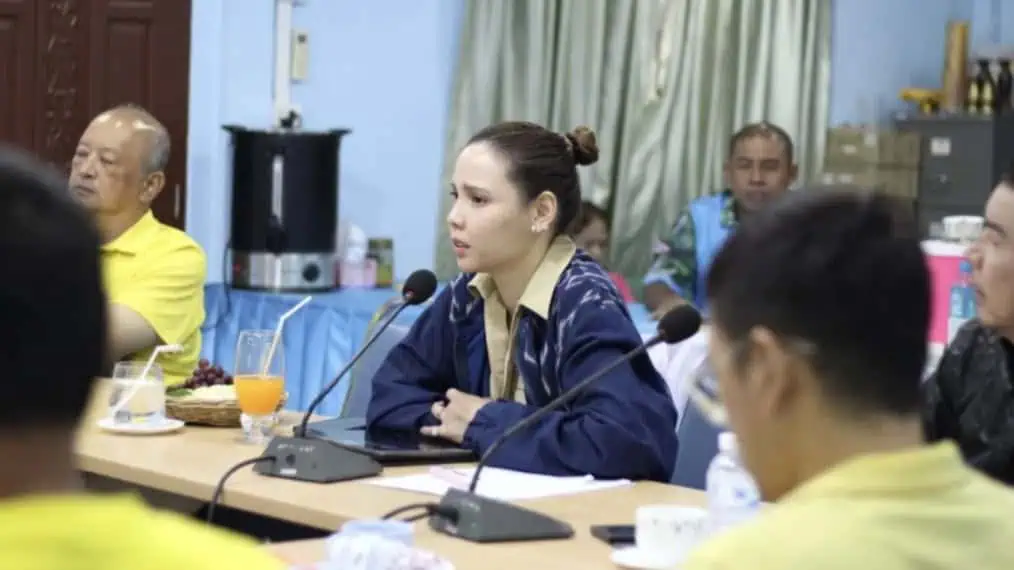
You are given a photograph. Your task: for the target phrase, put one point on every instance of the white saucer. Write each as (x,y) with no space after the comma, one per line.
(168,426)
(635,559)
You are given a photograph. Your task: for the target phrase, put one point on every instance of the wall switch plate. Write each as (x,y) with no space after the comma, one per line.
(300,67)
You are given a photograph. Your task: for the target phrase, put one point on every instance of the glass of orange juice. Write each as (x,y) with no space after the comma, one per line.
(259,378)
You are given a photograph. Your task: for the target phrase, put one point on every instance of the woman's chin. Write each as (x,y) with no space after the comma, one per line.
(466,265)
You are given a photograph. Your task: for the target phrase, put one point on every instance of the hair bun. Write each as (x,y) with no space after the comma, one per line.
(583,145)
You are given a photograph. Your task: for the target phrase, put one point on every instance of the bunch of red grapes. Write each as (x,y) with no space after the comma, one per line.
(207,375)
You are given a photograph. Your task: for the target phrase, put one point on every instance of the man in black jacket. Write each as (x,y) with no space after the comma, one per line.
(970,397)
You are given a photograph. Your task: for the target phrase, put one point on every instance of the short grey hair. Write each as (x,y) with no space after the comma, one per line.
(158,152)
(160,144)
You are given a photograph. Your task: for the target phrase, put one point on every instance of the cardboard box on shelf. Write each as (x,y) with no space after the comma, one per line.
(863,146)
(901,182)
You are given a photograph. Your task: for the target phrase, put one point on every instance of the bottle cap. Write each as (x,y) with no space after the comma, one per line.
(727,442)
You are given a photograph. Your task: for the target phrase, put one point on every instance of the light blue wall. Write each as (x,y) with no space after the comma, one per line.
(384,68)
(882,46)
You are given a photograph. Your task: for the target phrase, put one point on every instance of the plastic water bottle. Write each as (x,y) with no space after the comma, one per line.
(733,497)
(962,301)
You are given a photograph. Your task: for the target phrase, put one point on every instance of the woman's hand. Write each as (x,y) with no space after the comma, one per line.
(454,416)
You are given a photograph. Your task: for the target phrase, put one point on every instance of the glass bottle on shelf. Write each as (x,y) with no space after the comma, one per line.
(986,88)
(1004,85)
(972,100)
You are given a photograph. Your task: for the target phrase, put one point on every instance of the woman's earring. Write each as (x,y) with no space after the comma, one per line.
(536,229)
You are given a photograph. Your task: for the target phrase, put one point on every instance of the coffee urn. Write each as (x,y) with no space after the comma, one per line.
(284,209)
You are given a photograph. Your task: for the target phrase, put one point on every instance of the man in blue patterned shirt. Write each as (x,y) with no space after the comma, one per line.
(760,168)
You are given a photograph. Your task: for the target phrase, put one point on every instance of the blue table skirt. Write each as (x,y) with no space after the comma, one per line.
(318,340)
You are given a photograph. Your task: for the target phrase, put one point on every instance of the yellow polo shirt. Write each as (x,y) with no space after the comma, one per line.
(107,532)
(158,272)
(501,329)
(921,509)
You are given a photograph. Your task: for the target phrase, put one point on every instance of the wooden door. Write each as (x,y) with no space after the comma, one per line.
(64,61)
(139,52)
(60,109)
(17,72)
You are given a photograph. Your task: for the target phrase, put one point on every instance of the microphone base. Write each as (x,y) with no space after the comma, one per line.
(481,519)
(315,461)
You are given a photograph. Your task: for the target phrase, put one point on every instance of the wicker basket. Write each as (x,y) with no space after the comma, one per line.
(225,413)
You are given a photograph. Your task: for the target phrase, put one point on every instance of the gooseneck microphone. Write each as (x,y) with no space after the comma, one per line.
(418,289)
(309,459)
(480,519)
(675,326)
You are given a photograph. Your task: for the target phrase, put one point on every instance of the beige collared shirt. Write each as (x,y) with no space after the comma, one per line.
(501,328)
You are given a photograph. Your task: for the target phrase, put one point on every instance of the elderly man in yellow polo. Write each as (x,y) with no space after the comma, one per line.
(153,273)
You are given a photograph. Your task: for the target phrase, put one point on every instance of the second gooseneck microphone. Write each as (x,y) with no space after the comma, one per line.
(473,517)
(304,458)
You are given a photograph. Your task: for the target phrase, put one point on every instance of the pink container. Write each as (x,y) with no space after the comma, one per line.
(944,259)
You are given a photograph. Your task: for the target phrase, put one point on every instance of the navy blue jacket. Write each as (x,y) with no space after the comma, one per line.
(623,426)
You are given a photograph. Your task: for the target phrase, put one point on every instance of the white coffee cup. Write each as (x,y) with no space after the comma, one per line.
(665,534)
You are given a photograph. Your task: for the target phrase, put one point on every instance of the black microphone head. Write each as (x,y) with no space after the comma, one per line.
(419,287)
(679,324)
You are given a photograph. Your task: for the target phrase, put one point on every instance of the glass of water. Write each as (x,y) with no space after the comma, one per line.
(134,399)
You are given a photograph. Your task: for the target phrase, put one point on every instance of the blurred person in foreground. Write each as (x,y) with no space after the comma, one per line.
(970,397)
(53,334)
(760,168)
(819,311)
(153,273)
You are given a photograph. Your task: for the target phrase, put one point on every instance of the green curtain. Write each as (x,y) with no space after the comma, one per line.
(663,83)
(560,63)
(718,64)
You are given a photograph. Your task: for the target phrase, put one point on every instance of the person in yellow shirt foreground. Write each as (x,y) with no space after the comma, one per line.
(153,273)
(53,343)
(819,309)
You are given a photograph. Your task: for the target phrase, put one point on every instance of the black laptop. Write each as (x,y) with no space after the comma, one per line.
(388,446)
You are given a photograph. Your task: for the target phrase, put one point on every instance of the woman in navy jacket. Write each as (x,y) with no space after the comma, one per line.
(530,317)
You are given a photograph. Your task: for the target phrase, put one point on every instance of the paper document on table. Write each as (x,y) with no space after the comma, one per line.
(495,483)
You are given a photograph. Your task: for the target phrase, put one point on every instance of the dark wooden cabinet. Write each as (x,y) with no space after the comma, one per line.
(64,61)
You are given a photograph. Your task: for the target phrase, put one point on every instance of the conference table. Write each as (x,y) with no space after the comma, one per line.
(190,462)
